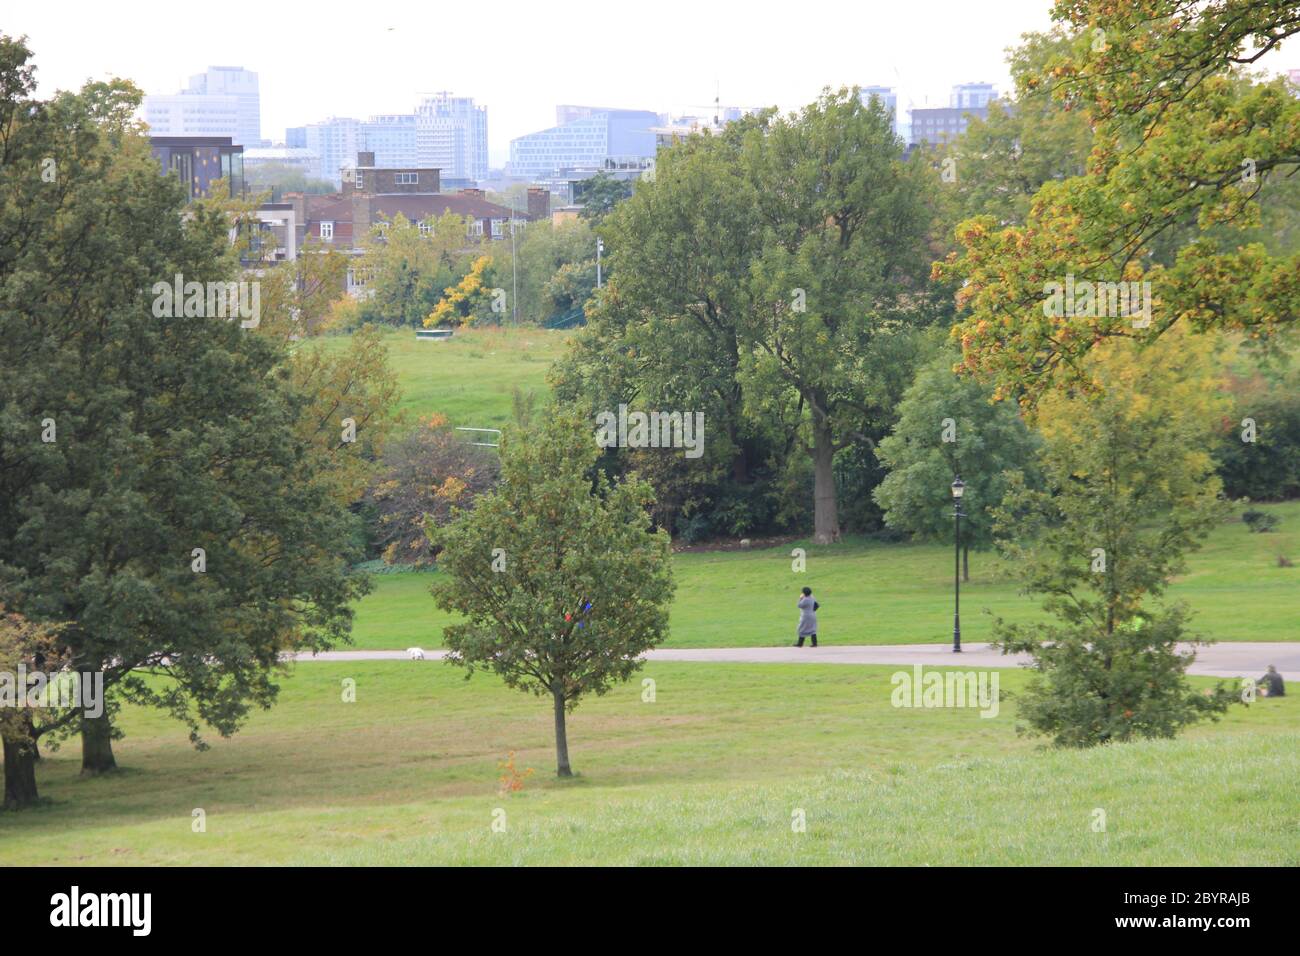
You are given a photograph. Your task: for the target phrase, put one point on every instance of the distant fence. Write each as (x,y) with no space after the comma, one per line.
(566,320)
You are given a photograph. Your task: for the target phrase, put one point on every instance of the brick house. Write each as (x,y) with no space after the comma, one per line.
(371,195)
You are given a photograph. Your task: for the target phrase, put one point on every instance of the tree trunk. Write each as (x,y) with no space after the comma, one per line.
(20,773)
(826,522)
(97,745)
(965,563)
(562,768)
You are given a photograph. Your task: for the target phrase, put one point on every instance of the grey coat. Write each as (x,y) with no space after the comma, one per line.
(807,617)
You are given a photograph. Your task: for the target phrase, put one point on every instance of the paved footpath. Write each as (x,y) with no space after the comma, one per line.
(1237,659)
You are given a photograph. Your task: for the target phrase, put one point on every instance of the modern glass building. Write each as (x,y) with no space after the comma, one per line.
(198,161)
(592,142)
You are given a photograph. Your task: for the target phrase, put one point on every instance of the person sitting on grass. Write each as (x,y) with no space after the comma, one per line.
(1272,683)
(807,617)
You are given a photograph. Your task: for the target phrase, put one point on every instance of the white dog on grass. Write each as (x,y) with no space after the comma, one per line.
(415,653)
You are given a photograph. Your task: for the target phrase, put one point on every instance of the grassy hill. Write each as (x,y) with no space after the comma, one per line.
(873,593)
(710,772)
(471,376)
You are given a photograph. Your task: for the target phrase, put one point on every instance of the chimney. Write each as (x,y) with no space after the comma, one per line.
(539,202)
(361,221)
(472,193)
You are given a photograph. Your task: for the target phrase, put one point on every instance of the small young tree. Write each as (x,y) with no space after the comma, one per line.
(1131,490)
(948,426)
(562,580)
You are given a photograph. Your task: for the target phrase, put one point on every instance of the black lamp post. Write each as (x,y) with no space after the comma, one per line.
(958,489)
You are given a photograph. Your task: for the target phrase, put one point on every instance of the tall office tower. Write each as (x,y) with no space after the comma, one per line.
(888,99)
(242,85)
(451,135)
(972,95)
(335,143)
(224,101)
(392,137)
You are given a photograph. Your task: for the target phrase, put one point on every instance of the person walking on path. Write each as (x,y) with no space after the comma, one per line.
(807,617)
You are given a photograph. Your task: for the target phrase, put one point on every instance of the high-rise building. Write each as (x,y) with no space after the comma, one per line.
(939,125)
(888,99)
(451,135)
(334,142)
(242,85)
(183,114)
(606,138)
(223,101)
(394,139)
(972,96)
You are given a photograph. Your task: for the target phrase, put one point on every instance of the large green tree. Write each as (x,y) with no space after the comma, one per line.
(561,579)
(948,426)
(161,493)
(772,276)
(1186,146)
(666,332)
(555,268)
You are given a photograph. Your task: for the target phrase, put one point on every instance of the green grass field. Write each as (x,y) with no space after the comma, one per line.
(470,377)
(712,771)
(874,593)
(717,767)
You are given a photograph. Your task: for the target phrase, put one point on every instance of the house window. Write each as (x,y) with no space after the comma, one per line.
(476,227)
(360,179)
(496,228)
(406,179)
(327,231)
(426,229)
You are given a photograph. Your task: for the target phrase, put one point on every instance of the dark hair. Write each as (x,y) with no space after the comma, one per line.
(807,592)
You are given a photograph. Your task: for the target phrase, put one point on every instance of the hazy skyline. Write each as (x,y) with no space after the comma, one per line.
(357,60)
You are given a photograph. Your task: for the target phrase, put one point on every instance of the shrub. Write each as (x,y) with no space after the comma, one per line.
(422,477)
(1260,522)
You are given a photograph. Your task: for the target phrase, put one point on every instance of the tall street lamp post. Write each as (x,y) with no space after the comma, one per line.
(958,489)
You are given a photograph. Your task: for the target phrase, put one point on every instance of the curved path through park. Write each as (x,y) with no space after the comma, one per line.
(1237,659)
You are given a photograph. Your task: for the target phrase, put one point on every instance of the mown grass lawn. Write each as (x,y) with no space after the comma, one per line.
(712,771)
(874,593)
(470,377)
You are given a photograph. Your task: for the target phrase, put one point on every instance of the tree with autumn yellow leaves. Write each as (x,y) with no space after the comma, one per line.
(467,300)
(1190,153)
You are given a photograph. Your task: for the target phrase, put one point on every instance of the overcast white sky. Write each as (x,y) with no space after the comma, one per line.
(521,59)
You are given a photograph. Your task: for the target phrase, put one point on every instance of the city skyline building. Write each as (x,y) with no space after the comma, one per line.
(604,138)
(221,101)
(451,135)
